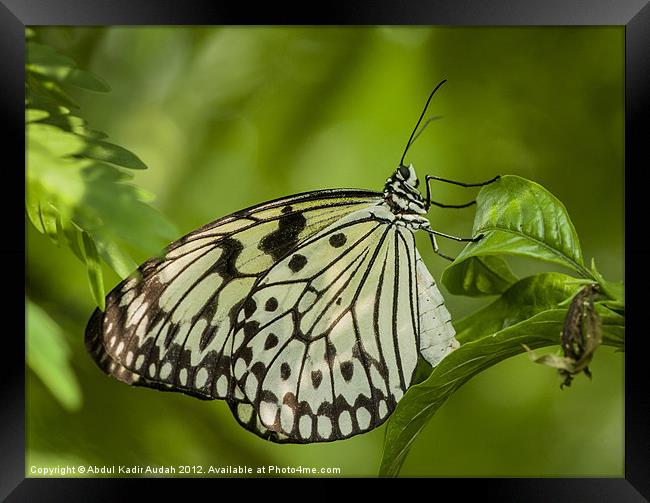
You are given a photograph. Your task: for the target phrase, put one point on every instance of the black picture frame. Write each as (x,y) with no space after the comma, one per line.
(634,15)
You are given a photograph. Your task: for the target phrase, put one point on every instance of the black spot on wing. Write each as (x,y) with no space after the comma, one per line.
(285,371)
(337,240)
(271,341)
(250,329)
(316,378)
(347,370)
(226,265)
(258,369)
(249,307)
(285,238)
(297,262)
(246,353)
(271,304)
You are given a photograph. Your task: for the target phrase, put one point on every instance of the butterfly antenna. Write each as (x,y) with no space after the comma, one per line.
(408,144)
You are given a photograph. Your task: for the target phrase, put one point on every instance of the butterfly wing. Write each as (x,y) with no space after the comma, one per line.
(246,415)
(169,325)
(437,339)
(437,334)
(328,340)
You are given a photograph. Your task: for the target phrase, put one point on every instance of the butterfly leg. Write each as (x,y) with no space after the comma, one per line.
(436,248)
(455,238)
(429,202)
(462,184)
(440,205)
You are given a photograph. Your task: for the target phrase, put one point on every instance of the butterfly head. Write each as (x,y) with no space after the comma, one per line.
(408,176)
(401,191)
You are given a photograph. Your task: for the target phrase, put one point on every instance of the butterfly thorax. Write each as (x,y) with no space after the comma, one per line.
(401,192)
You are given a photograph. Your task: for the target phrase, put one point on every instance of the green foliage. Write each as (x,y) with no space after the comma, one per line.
(227,117)
(480,275)
(517,217)
(77,183)
(48,356)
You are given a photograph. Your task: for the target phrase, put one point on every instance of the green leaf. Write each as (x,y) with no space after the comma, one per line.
(73,194)
(94,268)
(48,219)
(614,335)
(74,124)
(32,209)
(48,356)
(477,276)
(520,217)
(527,297)
(52,140)
(33,115)
(54,181)
(90,133)
(116,258)
(615,306)
(115,211)
(525,314)
(55,91)
(74,239)
(66,121)
(422,401)
(41,102)
(72,76)
(47,62)
(104,151)
(614,290)
(41,54)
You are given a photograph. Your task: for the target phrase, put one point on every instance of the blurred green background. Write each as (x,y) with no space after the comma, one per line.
(229,117)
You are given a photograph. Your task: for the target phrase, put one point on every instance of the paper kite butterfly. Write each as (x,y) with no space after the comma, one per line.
(307,313)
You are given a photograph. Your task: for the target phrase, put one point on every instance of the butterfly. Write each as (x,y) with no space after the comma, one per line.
(307,314)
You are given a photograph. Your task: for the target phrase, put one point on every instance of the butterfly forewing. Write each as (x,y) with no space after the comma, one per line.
(328,340)
(170,325)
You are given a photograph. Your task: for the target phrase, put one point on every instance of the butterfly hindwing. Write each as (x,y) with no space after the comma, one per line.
(437,334)
(246,415)
(169,326)
(327,342)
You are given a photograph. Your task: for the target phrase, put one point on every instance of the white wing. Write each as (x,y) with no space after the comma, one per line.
(437,335)
(170,326)
(437,340)
(328,340)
